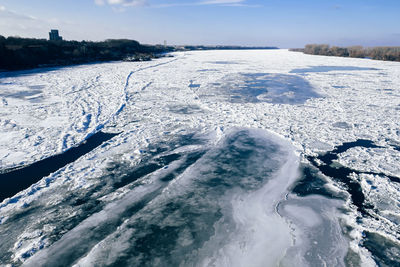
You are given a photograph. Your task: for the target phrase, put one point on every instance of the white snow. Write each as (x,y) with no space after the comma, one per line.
(379,160)
(151,101)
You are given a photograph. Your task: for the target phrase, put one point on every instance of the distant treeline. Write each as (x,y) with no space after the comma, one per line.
(224,47)
(379,53)
(22,53)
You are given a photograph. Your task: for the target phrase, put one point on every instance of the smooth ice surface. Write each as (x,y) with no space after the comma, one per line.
(263,87)
(199,218)
(313,102)
(318,239)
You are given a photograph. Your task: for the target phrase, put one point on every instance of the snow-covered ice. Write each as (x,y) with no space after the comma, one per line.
(174,115)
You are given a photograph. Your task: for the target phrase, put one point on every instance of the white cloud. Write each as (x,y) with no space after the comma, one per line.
(221,2)
(13,23)
(232,3)
(122,2)
(99,2)
(127,3)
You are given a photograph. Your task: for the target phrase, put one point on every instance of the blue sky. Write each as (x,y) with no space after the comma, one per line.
(283,23)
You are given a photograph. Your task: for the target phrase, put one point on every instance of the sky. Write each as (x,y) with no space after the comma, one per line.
(282,23)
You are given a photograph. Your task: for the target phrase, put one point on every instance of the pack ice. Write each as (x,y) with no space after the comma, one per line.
(220,158)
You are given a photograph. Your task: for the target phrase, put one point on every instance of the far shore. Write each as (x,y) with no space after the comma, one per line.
(28,53)
(386,53)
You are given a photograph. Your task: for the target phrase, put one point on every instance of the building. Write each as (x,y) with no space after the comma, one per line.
(54,36)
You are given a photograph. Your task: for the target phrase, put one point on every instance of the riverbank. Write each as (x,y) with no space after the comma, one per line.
(26,53)
(385,53)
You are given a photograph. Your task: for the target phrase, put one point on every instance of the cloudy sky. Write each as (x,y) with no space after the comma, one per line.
(283,23)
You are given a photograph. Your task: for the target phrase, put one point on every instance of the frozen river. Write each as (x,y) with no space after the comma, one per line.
(214,158)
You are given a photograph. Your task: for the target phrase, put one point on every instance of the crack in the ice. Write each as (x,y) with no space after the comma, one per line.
(125,97)
(17,179)
(343,174)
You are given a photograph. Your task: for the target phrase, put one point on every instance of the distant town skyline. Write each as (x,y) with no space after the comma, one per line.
(282,23)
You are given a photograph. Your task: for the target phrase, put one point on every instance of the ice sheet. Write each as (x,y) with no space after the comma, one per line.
(159,100)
